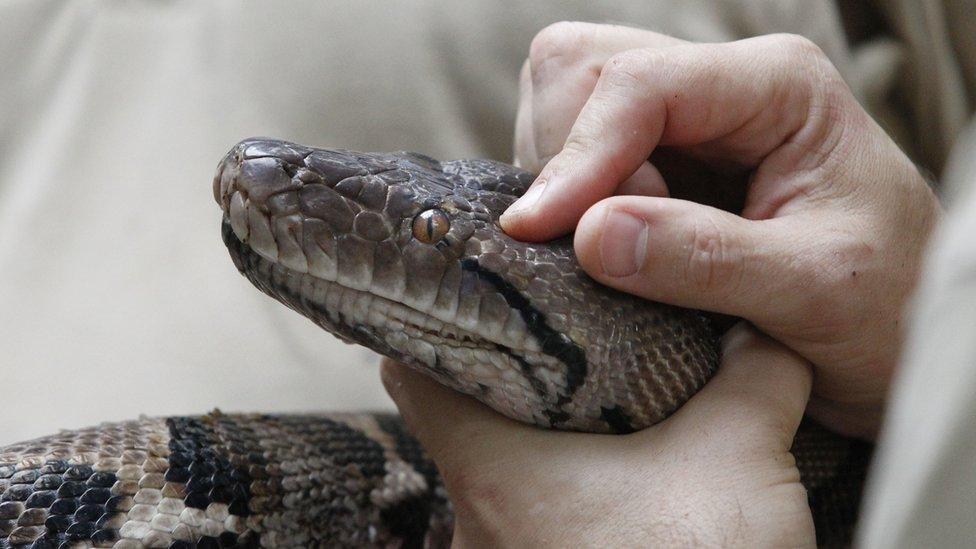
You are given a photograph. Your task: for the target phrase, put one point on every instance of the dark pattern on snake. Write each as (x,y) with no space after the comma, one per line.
(400,253)
(219,480)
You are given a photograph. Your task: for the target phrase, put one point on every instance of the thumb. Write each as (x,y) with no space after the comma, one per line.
(457,431)
(759,392)
(695,256)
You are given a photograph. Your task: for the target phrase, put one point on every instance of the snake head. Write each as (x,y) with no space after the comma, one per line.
(403,254)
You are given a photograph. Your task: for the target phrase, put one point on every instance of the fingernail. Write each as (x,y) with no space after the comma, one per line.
(527,200)
(623,244)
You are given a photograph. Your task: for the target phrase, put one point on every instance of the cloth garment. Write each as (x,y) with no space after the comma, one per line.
(922,489)
(117,298)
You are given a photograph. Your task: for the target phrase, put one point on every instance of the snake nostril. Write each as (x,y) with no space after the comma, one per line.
(289,169)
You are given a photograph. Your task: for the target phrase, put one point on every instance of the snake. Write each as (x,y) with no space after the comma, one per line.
(403,254)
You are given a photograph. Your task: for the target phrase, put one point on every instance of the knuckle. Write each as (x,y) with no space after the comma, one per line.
(798,51)
(480,499)
(713,261)
(578,144)
(562,43)
(797,48)
(827,103)
(626,69)
(799,55)
(741,340)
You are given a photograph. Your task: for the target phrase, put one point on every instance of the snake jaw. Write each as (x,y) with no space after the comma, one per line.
(461,360)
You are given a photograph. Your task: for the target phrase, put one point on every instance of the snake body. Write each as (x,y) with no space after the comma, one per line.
(403,254)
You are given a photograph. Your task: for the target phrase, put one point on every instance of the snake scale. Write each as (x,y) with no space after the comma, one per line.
(400,253)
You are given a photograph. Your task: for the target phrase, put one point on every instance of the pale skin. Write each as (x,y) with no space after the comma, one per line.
(819,263)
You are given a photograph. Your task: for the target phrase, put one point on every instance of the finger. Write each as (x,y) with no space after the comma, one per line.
(525,154)
(565,60)
(761,389)
(646,181)
(743,100)
(696,256)
(456,430)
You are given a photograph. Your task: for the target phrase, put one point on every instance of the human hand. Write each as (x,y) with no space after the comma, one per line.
(717,472)
(827,247)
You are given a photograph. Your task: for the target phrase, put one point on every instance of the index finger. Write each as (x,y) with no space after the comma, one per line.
(565,61)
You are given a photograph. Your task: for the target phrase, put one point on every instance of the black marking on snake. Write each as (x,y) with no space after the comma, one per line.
(617,419)
(553,343)
(75,499)
(409,519)
(208,474)
(554,415)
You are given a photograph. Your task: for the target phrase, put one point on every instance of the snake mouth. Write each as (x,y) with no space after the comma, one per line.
(389,328)
(339,307)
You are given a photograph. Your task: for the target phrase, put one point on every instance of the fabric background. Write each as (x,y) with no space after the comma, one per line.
(117,297)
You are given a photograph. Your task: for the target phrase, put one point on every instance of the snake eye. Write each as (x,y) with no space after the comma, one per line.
(430,226)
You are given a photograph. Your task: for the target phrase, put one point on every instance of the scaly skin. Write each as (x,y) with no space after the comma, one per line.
(334,235)
(517,325)
(339,480)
